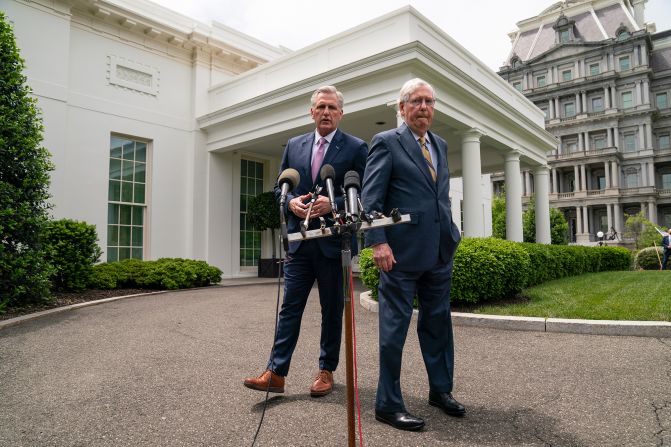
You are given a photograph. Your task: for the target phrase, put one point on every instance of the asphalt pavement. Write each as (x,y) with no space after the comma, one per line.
(167,370)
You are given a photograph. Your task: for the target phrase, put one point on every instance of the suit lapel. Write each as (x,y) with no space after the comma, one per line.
(306,156)
(411,147)
(441,168)
(334,147)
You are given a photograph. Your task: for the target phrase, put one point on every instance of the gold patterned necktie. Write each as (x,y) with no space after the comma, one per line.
(427,157)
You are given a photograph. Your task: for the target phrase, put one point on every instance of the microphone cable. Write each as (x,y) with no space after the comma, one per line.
(354,362)
(272,350)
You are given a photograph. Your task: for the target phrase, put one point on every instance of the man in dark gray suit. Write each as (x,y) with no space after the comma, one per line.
(407,169)
(314,259)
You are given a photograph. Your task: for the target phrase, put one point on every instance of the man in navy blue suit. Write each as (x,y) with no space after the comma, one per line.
(316,259)
(407,169)
(666,244)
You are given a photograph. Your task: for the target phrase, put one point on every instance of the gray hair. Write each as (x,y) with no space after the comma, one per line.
(329,89)
(409,88)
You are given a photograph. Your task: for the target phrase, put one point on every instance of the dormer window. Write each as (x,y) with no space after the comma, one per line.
(622,33)
(564,30)
(515,62)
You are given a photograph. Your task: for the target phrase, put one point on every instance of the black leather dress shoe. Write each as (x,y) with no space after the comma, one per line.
(446,402)
(401,420)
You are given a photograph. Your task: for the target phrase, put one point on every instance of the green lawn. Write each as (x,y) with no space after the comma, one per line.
(642,295)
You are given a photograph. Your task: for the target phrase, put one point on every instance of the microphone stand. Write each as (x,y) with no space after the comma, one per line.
(348,223)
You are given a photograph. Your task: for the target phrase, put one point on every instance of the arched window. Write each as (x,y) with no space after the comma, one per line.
(622,33)
(564,32)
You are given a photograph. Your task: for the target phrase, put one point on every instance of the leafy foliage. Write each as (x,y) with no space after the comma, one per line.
(24,182)
(164,273)
(490,269)
(558,223)
(640,229)
(499,216)
(649,258)
(72,250)
(263,213)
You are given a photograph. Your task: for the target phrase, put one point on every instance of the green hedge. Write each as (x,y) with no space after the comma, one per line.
(649,258)
(164,273)
(71,247)
(492,269)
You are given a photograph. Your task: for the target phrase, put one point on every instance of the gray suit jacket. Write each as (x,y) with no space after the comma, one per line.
(397,176)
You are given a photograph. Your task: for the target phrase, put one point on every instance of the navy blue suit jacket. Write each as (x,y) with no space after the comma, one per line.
(397,176)
(665,243)
(345,153)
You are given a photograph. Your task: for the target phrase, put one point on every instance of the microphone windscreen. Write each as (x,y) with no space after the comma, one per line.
(327,171)
(290,176)
(352,180)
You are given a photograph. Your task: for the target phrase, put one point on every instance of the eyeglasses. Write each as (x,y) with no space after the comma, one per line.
(430,102)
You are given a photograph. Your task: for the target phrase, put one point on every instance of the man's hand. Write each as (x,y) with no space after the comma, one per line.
(383,257)
(319,208)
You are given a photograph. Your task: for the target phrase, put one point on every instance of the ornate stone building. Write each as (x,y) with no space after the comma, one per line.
(603,78)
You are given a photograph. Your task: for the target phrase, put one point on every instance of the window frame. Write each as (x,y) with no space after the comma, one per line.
(621,59)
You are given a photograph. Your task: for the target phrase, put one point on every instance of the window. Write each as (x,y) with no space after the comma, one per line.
(518,86)
(627,100)
(622,34)
(631,178)
(662,100)
(126,206)
(664,142)
(624,63)
(666,181)
(251,185)
(630,142)
(571,146)
(601,181)
(597,104)
(569,109)
(564,36)
(540,81)
(545,111)
(599,142)
(594,69)
(566,75)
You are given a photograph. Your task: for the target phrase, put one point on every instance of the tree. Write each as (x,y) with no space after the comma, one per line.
(24,182)
(640,229)
(264,214)
(558,224)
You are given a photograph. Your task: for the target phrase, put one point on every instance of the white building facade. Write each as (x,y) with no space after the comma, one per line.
(162,128)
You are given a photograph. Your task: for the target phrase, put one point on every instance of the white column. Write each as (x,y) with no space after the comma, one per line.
(651,174)
(652,211)
(586,140)
(617,218)
(555,184)
(581,142)
(527,183)
(641,137)
(542,205)
(609,136)
(613,92)
(609,215)
(551,109)
(606,170)
(639,93)
(578,219)
(616,137)
(583,178)
(557,114)
(584,101)
(578,104)
(576,178)
(513,179)
(635,61)
(616,174)
(606,97)
(585,219)
(648,135)
(646,92)
(472,175)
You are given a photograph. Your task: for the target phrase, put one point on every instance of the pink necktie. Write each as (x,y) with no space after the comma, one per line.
(319,157)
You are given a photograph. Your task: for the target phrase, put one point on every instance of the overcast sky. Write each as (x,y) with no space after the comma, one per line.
(481,26)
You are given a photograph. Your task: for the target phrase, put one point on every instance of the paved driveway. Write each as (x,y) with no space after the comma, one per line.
(167,370)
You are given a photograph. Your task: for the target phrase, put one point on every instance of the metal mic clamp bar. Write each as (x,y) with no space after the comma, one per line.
(363,226)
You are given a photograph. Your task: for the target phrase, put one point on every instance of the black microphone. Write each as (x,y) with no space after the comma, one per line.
(327,175)
(288,180)
(352,186)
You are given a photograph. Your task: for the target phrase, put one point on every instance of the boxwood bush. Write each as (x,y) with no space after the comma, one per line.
(164,273)
(647,259)
(492,269)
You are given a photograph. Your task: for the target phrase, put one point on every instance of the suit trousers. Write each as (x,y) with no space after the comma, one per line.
(667,253)
(434,329)
(301,270)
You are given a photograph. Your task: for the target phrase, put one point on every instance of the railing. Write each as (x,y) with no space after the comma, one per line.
(664,192)
(565,195)
(596,113)
(596,192)
(567,118)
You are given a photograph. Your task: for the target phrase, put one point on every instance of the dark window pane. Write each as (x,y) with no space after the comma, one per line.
(112,254)
(125,215)
(243,168)
(127,173)
(140,151)
(115,147)
(126,192)
(251,187)
(124,253)
(128,149)
(139,193)
(140,172)
(136,236)
(112,235)
(112,213)
(259,170)
(137,253)
(114,193)
(138,215)
(115,169)
(124,236)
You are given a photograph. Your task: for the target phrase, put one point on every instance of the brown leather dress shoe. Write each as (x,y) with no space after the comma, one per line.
(268,381)
(323,384)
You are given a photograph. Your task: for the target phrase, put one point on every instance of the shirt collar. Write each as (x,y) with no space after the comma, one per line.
(328,137)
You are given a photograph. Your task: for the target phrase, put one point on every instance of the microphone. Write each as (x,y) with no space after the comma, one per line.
(327,175)
(288,180)
(352,186)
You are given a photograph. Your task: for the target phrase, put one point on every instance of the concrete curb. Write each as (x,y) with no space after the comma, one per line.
(658,329)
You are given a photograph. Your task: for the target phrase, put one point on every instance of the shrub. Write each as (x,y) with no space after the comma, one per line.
(24,182)
(164,273)
(647,259)
(491,269)
(72,250)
